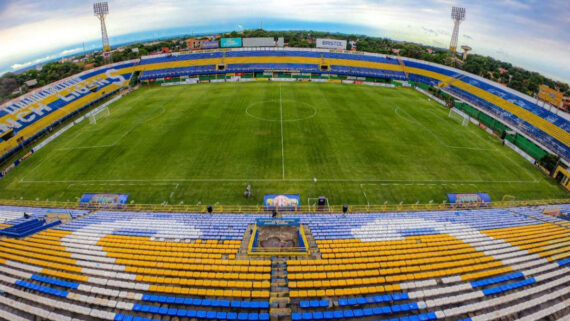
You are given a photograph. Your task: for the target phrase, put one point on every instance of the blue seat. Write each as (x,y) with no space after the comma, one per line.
(245,304)
(119,317)
(221,315)
(154,309)
(211,315)
(328,315)
(236,304)
(172,311)
(181,313)
(170,299)
(253,317)
(307,316)
(317,315)
(358,313)
(163,311)
(206,302)
(342,302)
(264,316)
(361,300)
(201,314)
(232,316)
(348,313)
(304,304)
(352,301)
(296,316)
(242,316)
(338,314)
(179,300)
(314,304)
(191,313)
(324,303)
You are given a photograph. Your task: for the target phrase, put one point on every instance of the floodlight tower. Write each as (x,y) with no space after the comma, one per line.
(458,15)
(100,10)
(466,49)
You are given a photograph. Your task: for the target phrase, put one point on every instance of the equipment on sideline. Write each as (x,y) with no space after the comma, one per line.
(459,115)
(96,115)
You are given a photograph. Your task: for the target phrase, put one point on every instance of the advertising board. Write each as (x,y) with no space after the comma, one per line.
(209,44)
(331,43)
(230,42)
(259,42)
(288,202)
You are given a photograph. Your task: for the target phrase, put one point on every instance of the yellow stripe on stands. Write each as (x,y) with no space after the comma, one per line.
(487,273)
(54,116)
(537,121)
(64,275)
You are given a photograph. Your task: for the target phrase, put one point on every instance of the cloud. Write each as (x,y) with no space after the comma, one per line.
(70,51)
(33,62)
(31,28)
(45,59)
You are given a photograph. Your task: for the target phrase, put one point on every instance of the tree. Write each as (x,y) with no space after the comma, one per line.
(549,161)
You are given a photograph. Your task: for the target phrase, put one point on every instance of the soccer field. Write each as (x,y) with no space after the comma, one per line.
(203,144)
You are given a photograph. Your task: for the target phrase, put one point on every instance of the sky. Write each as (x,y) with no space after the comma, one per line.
(533,34)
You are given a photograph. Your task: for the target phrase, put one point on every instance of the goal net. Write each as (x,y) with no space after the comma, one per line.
(460,116)
(99,114)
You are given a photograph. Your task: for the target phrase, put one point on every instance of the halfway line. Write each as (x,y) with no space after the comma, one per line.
(282,143)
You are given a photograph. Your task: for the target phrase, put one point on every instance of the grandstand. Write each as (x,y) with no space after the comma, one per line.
(487,264)
(378,262)
(518,111)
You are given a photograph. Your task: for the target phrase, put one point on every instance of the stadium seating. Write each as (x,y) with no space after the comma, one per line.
(56,102)
(474,264)
(516,109)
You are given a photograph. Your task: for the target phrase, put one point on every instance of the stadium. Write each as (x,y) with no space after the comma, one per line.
(249,180)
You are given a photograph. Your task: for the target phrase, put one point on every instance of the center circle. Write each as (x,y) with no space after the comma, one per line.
(270,110)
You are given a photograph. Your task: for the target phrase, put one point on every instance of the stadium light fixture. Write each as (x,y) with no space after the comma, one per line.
(100,10)
(458,15)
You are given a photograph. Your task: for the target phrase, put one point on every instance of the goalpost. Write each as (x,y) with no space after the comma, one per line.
(459,116)
(98,114)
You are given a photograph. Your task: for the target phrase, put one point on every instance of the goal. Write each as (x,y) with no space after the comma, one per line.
(459,116)
(98,114)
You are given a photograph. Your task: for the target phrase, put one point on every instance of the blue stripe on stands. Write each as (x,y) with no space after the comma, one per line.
(373,299)
(200,314)
(206,302)
(497,279)
(564,262)
(41,288)
(341,314)
(52,281)
(508,287)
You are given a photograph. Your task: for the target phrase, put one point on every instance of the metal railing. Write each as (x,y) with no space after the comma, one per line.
(301,209)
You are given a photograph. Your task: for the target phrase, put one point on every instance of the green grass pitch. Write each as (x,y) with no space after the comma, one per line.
(204,144)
